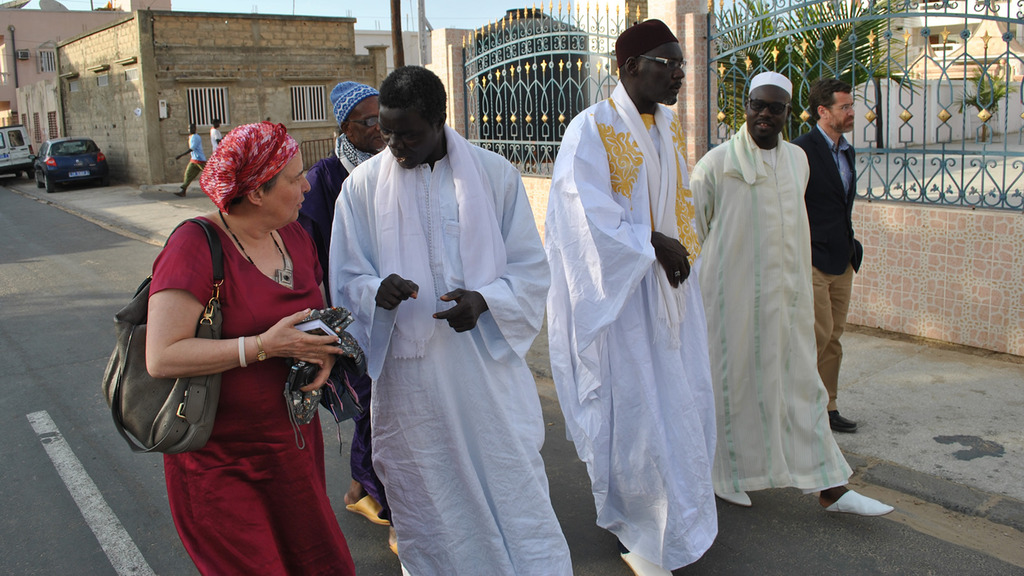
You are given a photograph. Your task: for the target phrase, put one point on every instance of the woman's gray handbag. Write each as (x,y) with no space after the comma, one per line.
(163,414)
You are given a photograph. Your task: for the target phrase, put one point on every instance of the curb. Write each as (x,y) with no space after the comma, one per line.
(946,493)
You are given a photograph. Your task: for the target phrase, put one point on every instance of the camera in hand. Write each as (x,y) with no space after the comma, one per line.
(300,375)
(332,322)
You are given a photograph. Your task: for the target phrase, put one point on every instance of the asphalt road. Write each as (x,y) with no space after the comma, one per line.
(62,278)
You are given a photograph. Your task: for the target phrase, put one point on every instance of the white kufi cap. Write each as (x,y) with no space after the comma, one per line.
(771,79)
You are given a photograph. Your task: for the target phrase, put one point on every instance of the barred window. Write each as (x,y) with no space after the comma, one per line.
(131,74)
(38,133)
(51,120)
(47,61)
(205,104)
(309,104)
(103,80)
(75,86)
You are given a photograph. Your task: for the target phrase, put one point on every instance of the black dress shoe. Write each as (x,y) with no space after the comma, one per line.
(840,424)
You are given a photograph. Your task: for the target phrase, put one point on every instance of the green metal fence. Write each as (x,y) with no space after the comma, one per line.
(528,74)
(938,88)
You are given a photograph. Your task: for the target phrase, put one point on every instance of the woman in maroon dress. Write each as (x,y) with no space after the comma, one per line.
(250,501)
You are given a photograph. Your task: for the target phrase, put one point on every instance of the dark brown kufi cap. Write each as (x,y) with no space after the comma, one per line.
(642,38)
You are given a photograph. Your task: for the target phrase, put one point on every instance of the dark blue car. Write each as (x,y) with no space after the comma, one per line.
(66,160)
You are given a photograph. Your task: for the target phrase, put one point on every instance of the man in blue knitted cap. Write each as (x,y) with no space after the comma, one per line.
(355,107)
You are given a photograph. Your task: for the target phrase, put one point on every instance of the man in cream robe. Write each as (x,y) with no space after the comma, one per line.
(755,275)
(456,419)
(628,345)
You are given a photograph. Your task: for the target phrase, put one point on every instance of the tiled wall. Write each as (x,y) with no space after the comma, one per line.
(951,274)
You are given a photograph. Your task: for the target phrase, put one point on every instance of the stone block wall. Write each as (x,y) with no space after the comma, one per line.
(99,101)
(256,58)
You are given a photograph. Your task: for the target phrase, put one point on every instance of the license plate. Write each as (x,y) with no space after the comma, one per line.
(77,174)
(4,156)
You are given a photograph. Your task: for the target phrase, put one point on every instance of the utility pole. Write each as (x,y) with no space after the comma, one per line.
(396,33)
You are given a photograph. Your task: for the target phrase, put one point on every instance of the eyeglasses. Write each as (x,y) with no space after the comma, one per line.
(667,62)
(775,108)
(843,108)
(369,122)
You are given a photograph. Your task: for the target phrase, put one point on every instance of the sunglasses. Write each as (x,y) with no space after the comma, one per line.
(775,108)
(369,122)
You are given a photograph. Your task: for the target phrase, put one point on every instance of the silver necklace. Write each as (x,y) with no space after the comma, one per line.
(282,276)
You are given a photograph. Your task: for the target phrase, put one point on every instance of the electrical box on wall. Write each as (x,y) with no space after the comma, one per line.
(22,54)
(162,105)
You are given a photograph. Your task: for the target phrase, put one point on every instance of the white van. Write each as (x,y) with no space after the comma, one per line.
(15,151)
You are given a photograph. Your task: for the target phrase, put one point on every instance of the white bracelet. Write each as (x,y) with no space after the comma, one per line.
(241,351)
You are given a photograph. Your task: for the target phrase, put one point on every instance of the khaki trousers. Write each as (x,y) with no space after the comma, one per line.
(831,304)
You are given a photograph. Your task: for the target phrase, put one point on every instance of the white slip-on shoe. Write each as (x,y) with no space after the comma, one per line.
(854,503)
(404,571)
(737,498)
(642,566)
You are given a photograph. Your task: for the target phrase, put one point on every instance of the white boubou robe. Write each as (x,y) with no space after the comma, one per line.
(456,418)
(628,352)
(755,271)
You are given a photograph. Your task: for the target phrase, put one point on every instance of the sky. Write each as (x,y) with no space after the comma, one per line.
(370,14)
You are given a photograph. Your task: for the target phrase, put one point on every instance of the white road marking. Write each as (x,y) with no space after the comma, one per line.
(119,547)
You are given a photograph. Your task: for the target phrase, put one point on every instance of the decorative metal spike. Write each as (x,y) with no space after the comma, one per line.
(544,65)
(483,82)
(528,119)
(721,69)
(804,46)
(750,63)
(775,54)
(870,116)
(906,36)
(512,118)
(837,42)
(527,67)
(543,117)
(497,118)
(944,115)
(984,115)
(871,37)
(945,35)
(484,118)
(561,117)
(805,115)
(906,115)
(579,64)
(721,116)
(472,119)
(986,39)
(497,75)
(561,64)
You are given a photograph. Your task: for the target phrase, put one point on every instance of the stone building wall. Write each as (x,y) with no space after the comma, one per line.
(255,59)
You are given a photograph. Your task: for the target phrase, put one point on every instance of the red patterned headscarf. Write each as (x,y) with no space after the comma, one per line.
(245,159)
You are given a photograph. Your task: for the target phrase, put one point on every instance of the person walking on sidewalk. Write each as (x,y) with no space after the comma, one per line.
(755,274)
(626,324)
(835,253)
(196,163)
(436,253)
(215,135)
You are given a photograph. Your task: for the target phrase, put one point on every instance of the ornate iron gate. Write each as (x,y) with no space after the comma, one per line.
(530,73)
(938,88)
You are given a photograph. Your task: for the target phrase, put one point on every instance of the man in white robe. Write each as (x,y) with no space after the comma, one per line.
(457,424)
(625,321)
(755,275)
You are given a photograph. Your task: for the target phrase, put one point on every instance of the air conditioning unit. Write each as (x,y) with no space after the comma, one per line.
(22,54)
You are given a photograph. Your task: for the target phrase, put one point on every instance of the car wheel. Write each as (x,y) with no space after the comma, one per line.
(39,182)
(49,183)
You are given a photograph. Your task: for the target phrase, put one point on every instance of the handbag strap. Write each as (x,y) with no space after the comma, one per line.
(217,257)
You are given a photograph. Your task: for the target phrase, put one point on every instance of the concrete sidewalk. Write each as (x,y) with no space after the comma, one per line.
(939,422)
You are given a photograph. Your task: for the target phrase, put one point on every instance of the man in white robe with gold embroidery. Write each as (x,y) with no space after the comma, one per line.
(755,275)
(436,253)
(626,326)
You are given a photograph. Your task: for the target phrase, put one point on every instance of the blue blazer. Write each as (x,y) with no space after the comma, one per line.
(829,207)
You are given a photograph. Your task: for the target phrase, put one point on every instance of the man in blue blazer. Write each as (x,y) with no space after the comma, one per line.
(835,253)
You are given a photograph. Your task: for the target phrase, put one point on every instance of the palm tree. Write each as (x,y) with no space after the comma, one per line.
(849,41)
(984,92)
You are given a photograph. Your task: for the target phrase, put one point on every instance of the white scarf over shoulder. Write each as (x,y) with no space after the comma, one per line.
(662,183)
(404,244)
